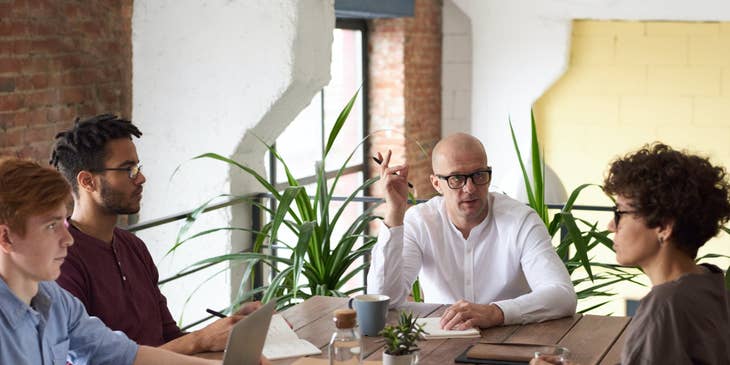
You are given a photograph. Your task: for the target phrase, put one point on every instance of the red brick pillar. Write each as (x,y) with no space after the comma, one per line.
(405,90)
(60,59)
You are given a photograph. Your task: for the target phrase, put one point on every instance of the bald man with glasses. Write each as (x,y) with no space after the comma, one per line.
(487,255)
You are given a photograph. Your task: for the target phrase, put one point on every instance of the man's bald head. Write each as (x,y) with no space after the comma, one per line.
(456,148)
(461,158)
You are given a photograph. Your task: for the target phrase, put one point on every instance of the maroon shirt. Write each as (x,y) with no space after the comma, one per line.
(118,284)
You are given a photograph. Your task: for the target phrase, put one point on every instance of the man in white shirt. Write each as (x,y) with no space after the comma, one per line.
(488,255)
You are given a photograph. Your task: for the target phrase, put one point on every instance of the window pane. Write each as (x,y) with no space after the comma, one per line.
(345,186)
(346,79)
(300,144)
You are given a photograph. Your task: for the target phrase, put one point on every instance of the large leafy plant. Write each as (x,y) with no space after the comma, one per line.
(727,272)
(319,262)
(579,238)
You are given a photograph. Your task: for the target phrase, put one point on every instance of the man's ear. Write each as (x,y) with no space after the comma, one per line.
(435,183)
(86,181)
(6,245)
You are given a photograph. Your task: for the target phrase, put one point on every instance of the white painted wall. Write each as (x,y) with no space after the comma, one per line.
(456,71)
(206,73)
(521,47)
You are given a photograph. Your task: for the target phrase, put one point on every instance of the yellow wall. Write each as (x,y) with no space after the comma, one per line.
(630,83)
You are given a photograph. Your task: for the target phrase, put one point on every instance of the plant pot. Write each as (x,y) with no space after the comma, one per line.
(409,359)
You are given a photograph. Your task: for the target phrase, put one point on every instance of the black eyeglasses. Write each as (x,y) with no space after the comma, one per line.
(457,181)
(618,213)
(132,170)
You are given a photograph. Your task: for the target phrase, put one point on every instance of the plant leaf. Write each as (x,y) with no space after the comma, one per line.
(285,201)
(537,175)
(528,186)
(340,122)
(594,307)
(581,246)
(416,291)
(305,235)
(264,183)
(207,232)
(275,286)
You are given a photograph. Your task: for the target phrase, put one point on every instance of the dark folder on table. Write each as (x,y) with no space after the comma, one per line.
(501,353)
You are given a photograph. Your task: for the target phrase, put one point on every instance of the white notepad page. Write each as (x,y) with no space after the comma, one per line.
(282,342)
(432,325)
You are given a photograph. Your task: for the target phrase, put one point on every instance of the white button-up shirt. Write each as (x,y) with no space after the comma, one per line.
(507,260)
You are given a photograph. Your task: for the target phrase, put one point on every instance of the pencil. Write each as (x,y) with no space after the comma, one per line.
(379,161)
(217,314)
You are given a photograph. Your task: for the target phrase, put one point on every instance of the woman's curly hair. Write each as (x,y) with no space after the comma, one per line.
(673,186)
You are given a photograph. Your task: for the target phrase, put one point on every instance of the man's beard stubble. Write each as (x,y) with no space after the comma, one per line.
(115,202)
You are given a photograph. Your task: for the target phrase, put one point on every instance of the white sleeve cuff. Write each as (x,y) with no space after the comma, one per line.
(511,310)
(386,236)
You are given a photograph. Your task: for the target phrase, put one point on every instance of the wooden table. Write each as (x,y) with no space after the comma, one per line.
(590,339)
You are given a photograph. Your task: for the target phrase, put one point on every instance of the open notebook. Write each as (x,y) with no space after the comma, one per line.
(432,325)
(282,342)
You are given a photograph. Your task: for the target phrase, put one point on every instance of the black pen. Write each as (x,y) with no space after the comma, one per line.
(379,161)
(217,314)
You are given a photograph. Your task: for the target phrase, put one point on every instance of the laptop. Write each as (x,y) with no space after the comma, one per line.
(247,338)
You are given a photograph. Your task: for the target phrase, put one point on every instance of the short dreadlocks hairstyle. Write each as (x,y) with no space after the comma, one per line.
(83,146)
(667,185)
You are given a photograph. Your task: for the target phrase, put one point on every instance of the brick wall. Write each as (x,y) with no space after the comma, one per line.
(405,90)
(60,59)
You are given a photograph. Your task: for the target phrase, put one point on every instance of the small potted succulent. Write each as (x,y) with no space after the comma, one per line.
(400,340)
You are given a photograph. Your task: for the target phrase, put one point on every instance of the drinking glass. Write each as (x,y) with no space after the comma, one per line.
(554,354)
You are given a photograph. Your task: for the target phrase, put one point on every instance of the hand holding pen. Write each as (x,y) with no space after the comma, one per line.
(379,160)
(217,314)
(394,181)
(247,309)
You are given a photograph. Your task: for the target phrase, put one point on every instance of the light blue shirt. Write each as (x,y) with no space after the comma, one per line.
(56,328)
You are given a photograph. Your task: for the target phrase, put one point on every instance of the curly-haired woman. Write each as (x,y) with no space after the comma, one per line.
(668,204)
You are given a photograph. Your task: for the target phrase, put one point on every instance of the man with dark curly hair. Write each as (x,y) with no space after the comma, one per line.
(668,204)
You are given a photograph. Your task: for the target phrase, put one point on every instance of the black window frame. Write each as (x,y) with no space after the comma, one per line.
(350,24)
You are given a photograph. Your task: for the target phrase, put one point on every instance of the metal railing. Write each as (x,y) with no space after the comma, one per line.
(257,223)
(257,219)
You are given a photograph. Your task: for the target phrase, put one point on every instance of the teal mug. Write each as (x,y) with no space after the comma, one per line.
(372,310)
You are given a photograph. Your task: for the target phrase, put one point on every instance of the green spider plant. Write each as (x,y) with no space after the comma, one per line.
(576,245)
(727,272)
(580,237)
(319,262)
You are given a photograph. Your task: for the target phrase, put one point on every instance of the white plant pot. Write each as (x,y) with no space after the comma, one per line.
(410,359)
